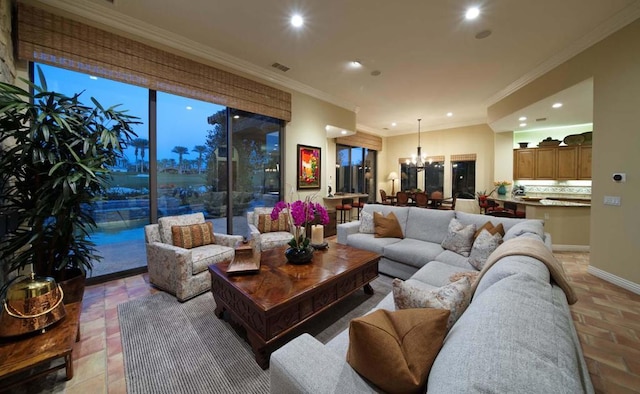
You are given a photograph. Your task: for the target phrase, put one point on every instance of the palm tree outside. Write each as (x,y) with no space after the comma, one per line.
(180,150)
(201,149)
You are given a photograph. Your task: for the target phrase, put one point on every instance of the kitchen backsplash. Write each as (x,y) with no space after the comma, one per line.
(580,190)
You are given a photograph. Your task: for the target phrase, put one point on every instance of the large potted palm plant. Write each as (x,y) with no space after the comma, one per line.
(55,158)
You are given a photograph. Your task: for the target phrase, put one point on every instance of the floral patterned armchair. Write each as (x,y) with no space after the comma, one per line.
(178,270)
(270,239)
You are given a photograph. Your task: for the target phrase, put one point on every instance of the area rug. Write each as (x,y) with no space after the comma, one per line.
(173,347)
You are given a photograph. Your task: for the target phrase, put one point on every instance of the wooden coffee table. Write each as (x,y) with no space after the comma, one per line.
(269,305)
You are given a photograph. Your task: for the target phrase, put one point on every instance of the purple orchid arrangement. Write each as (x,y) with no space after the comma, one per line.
(300,215)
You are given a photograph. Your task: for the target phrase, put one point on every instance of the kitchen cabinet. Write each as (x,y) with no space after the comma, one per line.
(567,167)
(546,163)
(524,163)
(584,162)
(552,163)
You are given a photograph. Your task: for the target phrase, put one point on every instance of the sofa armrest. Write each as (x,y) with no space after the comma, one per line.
(254,234)
(547,241)
(305,365)
(345,229)
(169,266)
(227,239)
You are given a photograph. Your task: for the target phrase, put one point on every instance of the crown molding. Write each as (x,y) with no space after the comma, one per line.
(613,24)
(108,16)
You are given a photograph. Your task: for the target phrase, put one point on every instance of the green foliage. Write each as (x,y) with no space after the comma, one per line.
(56,155)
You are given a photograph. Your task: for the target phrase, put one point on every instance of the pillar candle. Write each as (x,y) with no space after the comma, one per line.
(317,234)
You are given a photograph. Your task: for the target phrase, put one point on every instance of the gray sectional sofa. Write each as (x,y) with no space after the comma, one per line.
(516,335)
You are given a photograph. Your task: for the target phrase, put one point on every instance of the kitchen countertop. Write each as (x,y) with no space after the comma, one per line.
(556,201)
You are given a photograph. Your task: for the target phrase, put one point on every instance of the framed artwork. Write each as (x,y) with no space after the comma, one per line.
(308,167)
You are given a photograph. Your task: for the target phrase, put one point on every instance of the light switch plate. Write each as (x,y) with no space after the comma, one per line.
(612,200)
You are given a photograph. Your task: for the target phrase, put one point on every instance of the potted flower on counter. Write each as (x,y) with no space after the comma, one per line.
(501,186)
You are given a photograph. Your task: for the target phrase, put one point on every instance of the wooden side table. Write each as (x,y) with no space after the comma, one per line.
(22,353)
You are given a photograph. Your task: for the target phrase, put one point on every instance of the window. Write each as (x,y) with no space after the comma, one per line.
(463,178)
(430,179)
(355,170)
(185,157)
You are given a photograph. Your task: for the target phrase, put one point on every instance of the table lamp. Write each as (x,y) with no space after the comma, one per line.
(392,177)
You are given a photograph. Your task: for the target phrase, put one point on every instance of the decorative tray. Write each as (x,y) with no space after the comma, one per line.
(244,261)
(526,198)
(321,246)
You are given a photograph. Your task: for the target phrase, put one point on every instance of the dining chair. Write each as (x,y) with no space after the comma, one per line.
(402,199)
(384,198)
(421,199)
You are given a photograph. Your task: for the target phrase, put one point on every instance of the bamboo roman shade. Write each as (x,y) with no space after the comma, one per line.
(362,140)
(465,157)
(52,39)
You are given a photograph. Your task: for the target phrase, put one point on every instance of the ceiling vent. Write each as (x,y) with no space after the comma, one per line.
(280,67)
(541,119)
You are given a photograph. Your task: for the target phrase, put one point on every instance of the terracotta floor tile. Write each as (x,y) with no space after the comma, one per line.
(114,344)
(90,345)
(118,387)
(94,385)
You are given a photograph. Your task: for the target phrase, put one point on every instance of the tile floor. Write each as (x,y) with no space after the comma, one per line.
(607,319)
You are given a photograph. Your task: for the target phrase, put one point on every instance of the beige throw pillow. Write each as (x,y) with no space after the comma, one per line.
(395,350)
(459,239)
(483,246)
(453,296)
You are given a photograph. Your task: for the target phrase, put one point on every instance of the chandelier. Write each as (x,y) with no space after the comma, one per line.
(418,159)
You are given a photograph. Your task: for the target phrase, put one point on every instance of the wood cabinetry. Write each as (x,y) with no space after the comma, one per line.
(546,163)
(524,164)
(567,162)
(584,162)
(560,162)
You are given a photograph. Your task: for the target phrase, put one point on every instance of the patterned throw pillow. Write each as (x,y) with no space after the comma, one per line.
(193,235)
(266,225)
(387,227)
(396,349)
(366,223)
(483,246)
(460,237)
(454,297)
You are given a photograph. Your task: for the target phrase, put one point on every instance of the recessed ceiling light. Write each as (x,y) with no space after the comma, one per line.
(557,105)
(343,132)
(472,13)
(522,118)
(356,64)
(297,20)
(189,108)
(449,114)
(393,124)
(236,116)
(523,124)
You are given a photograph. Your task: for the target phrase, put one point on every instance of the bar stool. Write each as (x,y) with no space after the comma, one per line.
(346,205)
(358,205)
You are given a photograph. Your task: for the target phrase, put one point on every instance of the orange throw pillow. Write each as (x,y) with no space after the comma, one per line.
(387,227)
(395,350)
(193,235)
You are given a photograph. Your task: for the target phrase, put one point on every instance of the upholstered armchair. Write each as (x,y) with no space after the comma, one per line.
(274,233)
(180,250)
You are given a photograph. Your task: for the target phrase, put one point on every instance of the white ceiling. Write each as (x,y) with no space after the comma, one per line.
(429,60)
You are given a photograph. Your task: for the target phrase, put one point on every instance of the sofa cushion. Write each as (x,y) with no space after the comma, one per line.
(527,227)
(453,296)
(429,225)
(165,224)
(454,259)
(268,225)
(437,273)
(412,251)
(395,350)
(459,237)
(483,246)
(192,235)
(369,242)
(366,223)
(480,220)
(387,226)
(490,228)
(274,240)
(203,256)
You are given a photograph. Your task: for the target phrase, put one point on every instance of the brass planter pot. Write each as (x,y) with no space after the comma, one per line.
(31,304)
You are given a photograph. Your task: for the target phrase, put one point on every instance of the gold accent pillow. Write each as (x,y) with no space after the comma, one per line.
(266,225)
(387,227)
(395,350)
(193,235)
